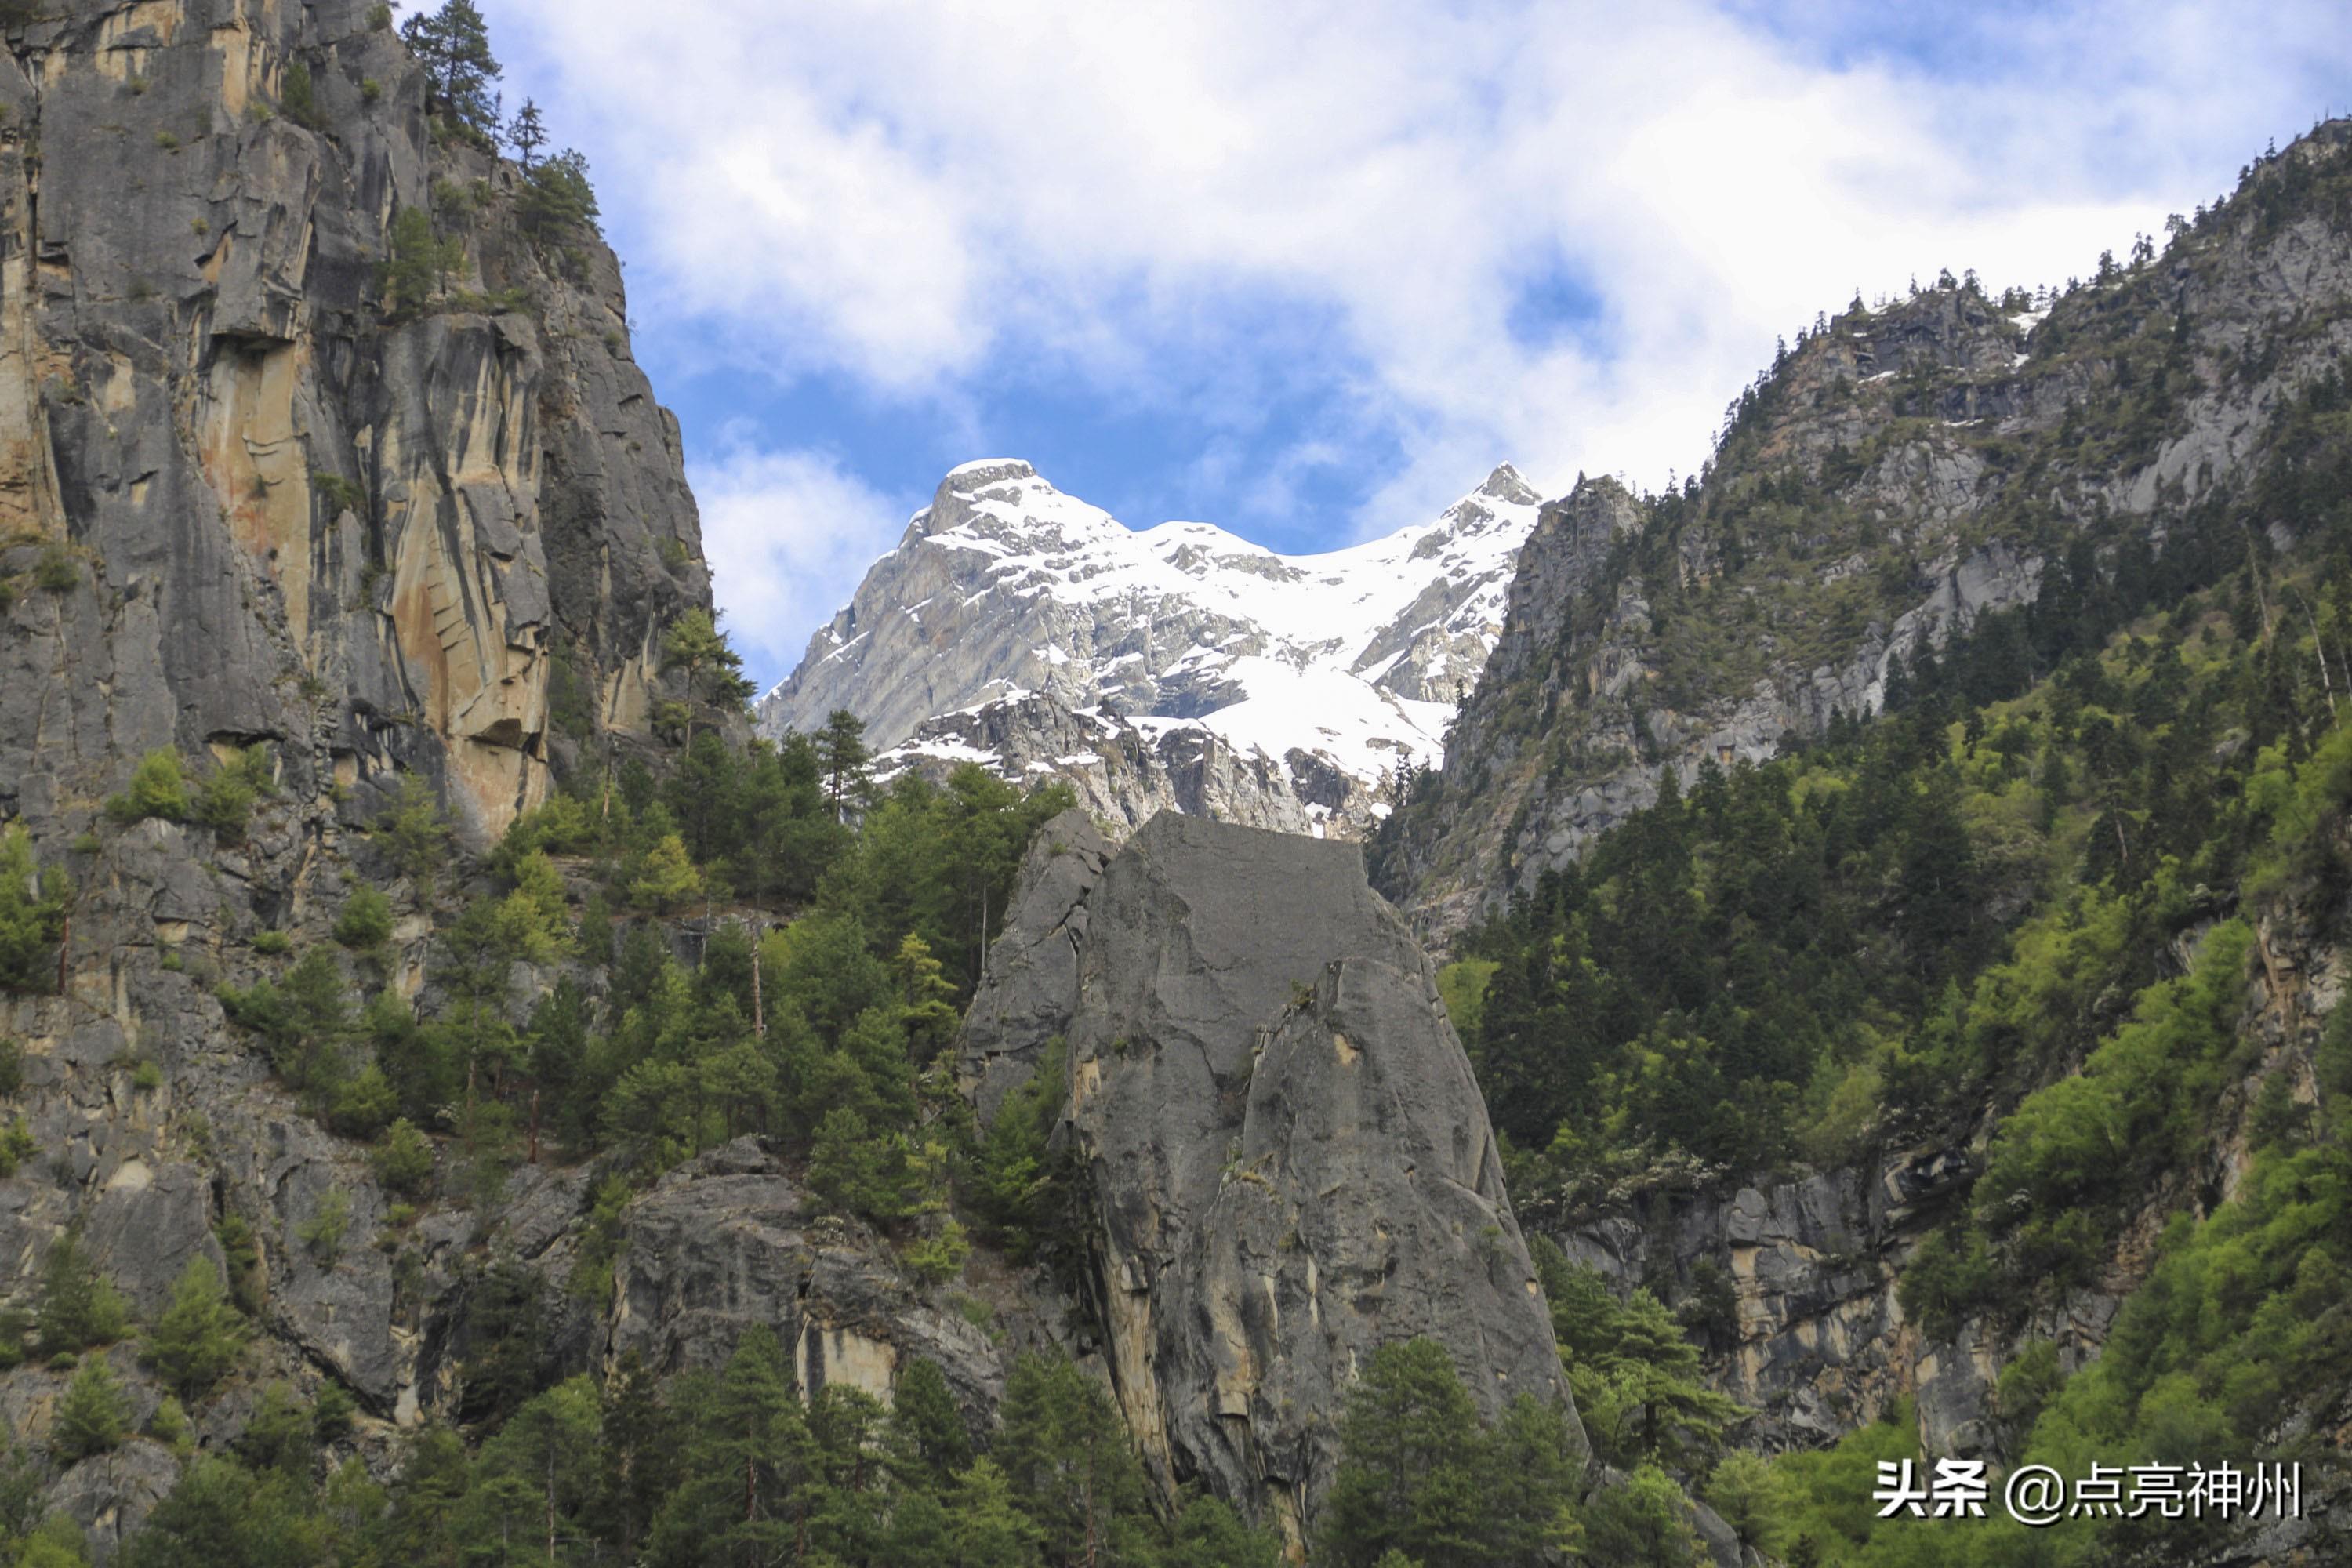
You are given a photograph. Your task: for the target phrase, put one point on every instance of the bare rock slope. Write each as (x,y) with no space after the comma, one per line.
(1287,1161)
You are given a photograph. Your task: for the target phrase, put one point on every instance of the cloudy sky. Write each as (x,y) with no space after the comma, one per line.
(1309,270)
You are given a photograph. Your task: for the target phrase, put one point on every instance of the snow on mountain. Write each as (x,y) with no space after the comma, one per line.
(1178,665)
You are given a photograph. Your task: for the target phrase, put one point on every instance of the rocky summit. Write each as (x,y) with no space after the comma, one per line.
(1175,667)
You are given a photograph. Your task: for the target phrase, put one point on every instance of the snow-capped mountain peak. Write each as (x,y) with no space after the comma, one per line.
(1286,689)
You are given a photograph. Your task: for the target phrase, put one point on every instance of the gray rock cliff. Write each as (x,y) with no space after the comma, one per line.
(1287,1161)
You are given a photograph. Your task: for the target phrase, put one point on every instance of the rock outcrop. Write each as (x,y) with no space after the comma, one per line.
(730,1240)
(1287,1159)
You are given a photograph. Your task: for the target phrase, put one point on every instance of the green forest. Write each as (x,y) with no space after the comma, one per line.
(2039,880)
(813,1013)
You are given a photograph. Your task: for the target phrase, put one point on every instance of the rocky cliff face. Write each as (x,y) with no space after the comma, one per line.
(1900,473)
(1287,1159)
(246,503)
(1176,668)
(241,503)
(371,540)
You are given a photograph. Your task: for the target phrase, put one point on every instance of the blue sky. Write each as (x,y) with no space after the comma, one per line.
(1309,270)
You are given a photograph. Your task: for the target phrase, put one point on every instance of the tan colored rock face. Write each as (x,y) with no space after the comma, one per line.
(290,521)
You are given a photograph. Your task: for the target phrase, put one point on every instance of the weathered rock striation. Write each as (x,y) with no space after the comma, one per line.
(1287,1161)
(244,500)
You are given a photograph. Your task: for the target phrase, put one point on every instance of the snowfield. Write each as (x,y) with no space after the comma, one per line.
(1004,591)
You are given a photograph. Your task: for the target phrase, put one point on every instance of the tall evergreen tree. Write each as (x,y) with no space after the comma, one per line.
(453,45)
(199,1336)
(841,750)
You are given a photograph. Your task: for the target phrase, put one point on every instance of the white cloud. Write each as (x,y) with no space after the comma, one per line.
(788,533)
(907,194)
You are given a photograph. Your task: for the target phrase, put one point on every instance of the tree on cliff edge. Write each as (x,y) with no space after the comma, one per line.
(453,45)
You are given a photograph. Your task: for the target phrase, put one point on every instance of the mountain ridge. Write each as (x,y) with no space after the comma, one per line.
(1179,665)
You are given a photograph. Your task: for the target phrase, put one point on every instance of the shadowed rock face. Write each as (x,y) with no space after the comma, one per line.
(1289,1162)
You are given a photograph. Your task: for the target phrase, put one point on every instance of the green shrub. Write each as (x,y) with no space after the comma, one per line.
(57,573)
(159,788)
(17,1145)
(324,1231)
(413,831)
(272,943)
(404,1158)
(79,1307)
(303,1019)
(331,1413)
(340,493)
(297,97)
(199,1336)
(417,267)
(1949,1277)
(378,17)
(33,899)
(242,1251)
(225,801)
(364,921)
(169,1424)
(363,1103)
(935,1260)
(91,1418)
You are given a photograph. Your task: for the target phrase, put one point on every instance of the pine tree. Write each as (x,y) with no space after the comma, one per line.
(927,1006)
(536,1481)
(1071,1463)
(91,1416)
(557,196)
(990,1530)
(748,1458)
(666,878)
(1642,1521)
(927,1440)
(1209,1535)
(526,133)
(32,915)
(417,269)
(841,750)
(453,45)
(1636,1374)
(1410,1477)
(199,1336)
(713,669)
(641,1456)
